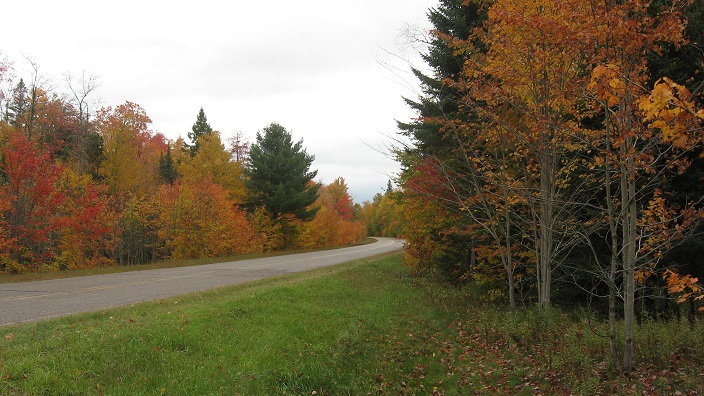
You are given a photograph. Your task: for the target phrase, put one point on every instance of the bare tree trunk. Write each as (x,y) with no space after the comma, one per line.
(509,264)
(547,211)
(630,217)
(613,231)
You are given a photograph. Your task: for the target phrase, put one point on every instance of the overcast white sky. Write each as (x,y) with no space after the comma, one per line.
(311,65)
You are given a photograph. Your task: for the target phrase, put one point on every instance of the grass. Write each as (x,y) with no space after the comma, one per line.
(354,329)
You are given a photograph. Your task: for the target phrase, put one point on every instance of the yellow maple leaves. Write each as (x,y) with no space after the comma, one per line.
(670,109)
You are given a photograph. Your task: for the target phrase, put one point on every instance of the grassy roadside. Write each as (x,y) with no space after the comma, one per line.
(353,329)
(55,274)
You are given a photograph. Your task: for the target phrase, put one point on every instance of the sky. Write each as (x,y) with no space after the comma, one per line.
(332,72)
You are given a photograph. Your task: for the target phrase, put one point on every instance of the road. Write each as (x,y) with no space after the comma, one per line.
(34,301)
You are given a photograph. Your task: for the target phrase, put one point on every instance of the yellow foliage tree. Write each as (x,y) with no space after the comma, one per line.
(212,160)
(199,220)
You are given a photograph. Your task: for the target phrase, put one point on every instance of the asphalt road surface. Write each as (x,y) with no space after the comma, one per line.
(33,301)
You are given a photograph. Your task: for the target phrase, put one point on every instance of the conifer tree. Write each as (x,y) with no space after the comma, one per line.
(167,167)
(200,127)
(280,178)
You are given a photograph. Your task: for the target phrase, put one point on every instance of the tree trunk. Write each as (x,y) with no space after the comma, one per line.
(545,259)
(629,262)
(547,213)
(629,217)
(613,269)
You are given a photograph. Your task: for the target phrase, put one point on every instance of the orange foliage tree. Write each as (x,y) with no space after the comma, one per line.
(199,220)
(334,223)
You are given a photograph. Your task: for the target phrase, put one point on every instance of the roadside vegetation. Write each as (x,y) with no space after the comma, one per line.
(364,327)
(47,275)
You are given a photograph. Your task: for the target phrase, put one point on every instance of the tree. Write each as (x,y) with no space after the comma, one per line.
(131,150)
(530,85)
(198,220)
(18,106)
(200,128)
(548,132)
(84,138)
(53,215)
(214,161)
(635,158)
(167,167)
(31,190)
(432,142)
(333,224)
(239,148)
(279,175)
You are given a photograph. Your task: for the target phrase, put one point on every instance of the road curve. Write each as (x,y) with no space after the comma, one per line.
(34,301)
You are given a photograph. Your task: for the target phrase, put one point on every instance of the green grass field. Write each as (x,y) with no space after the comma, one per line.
(354,329)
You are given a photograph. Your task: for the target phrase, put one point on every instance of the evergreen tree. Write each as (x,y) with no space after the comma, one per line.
(280,179)
(18,105)
(451,19)
(199,128)
(167,168)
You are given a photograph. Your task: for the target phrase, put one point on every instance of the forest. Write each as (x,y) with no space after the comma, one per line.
(556,158)
(82,186)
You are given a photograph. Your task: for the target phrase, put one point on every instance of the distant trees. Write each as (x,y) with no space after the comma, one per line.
(82,188)
(334,223)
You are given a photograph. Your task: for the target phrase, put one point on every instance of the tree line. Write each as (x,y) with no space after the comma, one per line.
(82,186)
(557,156)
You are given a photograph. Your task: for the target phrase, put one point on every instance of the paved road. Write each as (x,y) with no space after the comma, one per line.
(33,301)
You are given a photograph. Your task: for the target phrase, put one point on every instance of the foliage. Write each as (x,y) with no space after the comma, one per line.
(82,187)
(384,216)
(131,150)
(52,215)
(333,224)
(213,161)
(546,142)
(202,208)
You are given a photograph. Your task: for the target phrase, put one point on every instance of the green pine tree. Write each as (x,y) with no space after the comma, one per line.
(167,168)
(280,179)
(199,128)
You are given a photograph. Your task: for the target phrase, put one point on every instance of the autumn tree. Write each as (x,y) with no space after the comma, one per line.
(530,85)
(333,224)
(280,176)
(214,161)
(199,220)
(86,237)
(554,135)
(131,150)
(53,216)
(33,197)
(635,157)
(239,148)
